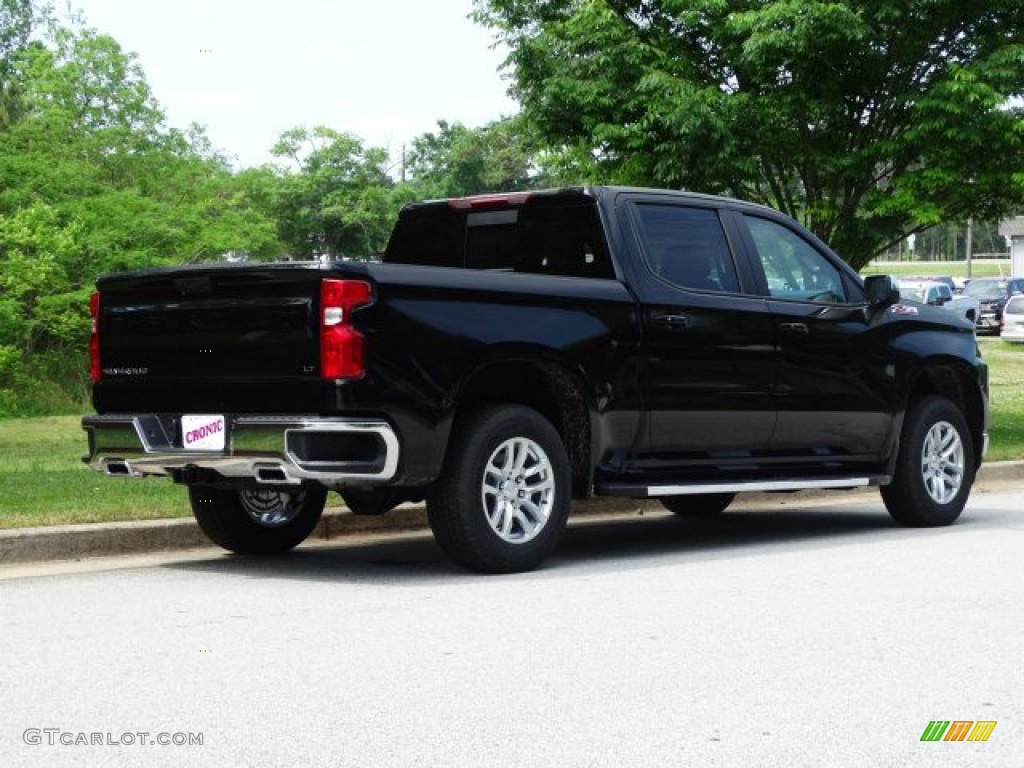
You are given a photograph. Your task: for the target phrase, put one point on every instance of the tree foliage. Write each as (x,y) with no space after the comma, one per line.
(334,196)
(867,120)
(331,195)
(17,18)
(456,161)
(93,180)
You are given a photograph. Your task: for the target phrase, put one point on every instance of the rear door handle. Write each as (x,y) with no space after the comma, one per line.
(795,329)
(671,321)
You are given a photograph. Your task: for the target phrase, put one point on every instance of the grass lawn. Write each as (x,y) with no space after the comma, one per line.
(1006,390)
(987,268)
(43,481)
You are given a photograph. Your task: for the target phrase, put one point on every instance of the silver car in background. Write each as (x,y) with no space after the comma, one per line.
(939,294)
(1012,323)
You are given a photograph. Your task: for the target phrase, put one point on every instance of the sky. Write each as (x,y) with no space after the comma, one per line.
(384,70)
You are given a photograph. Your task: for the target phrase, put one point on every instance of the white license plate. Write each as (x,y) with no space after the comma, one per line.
(203,432)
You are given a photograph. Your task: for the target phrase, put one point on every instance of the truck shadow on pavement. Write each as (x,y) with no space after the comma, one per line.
(588,545)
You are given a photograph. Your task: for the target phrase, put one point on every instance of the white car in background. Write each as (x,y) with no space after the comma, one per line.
(1012,323)
(939,294)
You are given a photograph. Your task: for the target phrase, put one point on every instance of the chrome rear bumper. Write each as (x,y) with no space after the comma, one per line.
(268,449)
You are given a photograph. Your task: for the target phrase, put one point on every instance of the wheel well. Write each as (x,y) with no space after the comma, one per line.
(547,388)
(961,389)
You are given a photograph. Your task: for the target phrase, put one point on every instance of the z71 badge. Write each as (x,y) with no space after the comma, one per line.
(903,309)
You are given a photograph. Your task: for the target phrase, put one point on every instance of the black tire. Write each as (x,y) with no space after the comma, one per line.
(705,505)
(231,519)
(468,497)
(927,489)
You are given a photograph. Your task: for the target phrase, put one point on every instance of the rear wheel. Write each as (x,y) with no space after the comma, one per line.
(258,522)
(934,468)
(503,499)
(703,505)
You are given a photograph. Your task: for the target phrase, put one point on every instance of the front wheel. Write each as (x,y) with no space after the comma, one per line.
(258,522)
(503,499)
(934,467)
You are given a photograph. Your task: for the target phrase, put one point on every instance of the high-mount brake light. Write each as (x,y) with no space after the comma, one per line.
(341,346)
(94,338)
(489,201)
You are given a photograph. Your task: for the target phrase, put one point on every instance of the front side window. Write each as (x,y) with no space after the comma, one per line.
(793,267)
(687,247)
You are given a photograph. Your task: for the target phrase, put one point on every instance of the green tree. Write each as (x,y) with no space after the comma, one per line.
(17,18)
(334,196)
(92,180)
(33,247)
(456,161)
(867,120)
(93,143)
(948,242)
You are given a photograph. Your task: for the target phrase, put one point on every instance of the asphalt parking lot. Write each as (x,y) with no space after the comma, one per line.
(789,633)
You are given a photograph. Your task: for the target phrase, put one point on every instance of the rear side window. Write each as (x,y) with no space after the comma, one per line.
(687,247)
(546,236)
(430,237)
(793,267)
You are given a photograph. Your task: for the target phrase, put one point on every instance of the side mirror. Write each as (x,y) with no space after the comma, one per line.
(882,290)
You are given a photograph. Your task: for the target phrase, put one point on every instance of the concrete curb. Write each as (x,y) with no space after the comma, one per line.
(74,542)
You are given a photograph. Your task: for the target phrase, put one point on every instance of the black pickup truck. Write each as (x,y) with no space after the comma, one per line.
(510,353)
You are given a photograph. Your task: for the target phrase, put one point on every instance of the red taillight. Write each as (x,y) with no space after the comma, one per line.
(341,347)
(94,338)
(489,201)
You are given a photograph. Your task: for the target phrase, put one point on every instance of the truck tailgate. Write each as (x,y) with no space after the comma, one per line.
(207,336)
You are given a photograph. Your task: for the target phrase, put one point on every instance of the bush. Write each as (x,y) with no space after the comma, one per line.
(55,382)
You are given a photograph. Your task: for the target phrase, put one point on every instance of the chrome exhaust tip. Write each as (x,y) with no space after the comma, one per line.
(274,474)
(119,468)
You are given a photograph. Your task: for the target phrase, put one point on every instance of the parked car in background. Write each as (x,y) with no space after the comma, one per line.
(1012,324)
(938,294)
(993,293)
(946,279)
